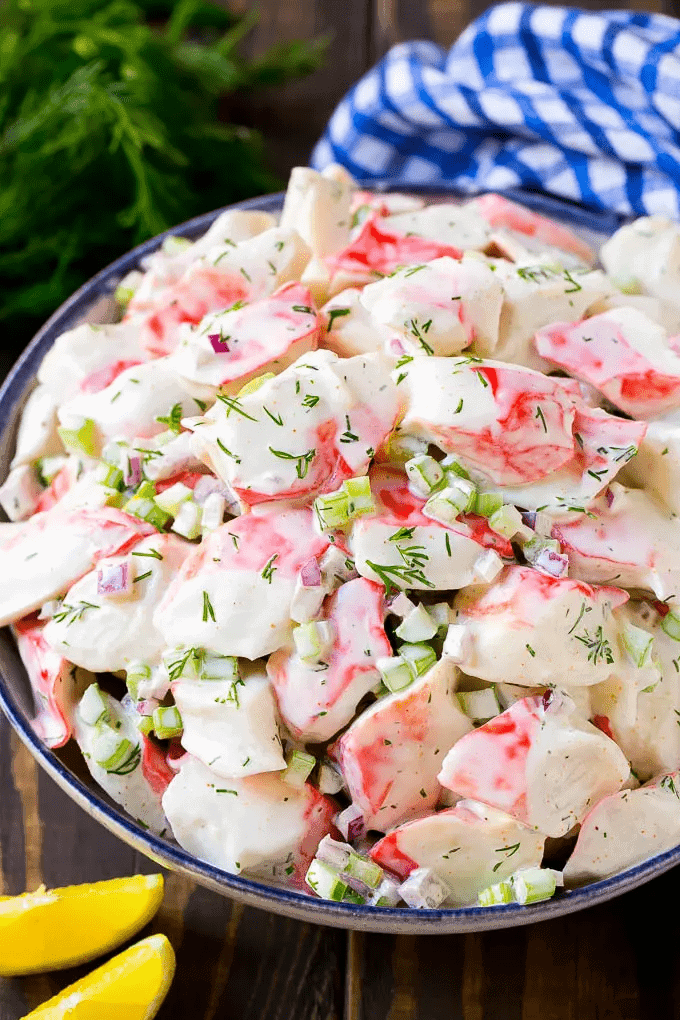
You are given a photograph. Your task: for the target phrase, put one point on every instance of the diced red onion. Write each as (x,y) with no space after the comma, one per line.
(529,518)
(219,345)
(310,574)
(133,475)
(552,563)
(396,347)
(206,486)
(350,822)
(114,579)
(609,497)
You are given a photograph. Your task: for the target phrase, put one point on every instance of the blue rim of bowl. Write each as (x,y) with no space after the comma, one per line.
(259,894)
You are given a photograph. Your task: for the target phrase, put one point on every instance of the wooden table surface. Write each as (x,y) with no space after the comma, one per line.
(614,962)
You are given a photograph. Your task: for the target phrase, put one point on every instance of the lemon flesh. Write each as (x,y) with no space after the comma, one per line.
(51,929)
(131,986)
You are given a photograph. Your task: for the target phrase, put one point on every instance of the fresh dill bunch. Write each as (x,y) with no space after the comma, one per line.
(109,134)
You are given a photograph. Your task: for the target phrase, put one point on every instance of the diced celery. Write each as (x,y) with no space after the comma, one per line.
(488,503)
(419,657)
(417,626)
(627,284)
(173,245)
(146,490)
(488,566)
(114,753)
(395,672)
(454,467)
(359,496)
(93,707)
(325,882)
(508,522)
(172,498)
(188,520)
(332,510)
(49,467)
(330,780)
(537,545)
(299,766)
(456,643)
(128,285)
(144,724)
(353,897)
(157,517)
(638,644)
(213,512)
(401,449)
(254,384)
(139,507)
(137,672)
(111,476)
(81,440)
(495,895)
(531,885)
(424,474)
(167,722)
(479,705)
(386,895)
(219,667)
(424,889)
(312,640)
(440,613)
(448,503)
(670,625)
(364,870)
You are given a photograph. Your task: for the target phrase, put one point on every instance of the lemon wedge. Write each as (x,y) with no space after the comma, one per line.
(50,929)
(131,986)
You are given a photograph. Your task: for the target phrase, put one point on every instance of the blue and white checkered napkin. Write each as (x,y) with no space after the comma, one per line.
(578,104)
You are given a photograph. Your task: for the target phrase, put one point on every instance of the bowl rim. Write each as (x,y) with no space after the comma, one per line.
(278,899)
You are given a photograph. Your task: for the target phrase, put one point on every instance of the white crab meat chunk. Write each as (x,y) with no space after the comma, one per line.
(469,846)
(457,225)
(132,404)
(399,507)
(169,458)
(439,307)
(57,684)
(535,630)
(74,487)
(138,789)
(640,706)
(539,761)
(20,492)
(233,594)
(624,354)
(317,699)
(363,203)
(228,349)
(391,754)
(423,555)
(230,725)
(49,552)
(257,825)
(351,330)
(318,207)
(603,445)
(661,312)
(376,250)
(105,634)
(624,539)
(37,433)
(222,276)
(317,423)
(646,255)
(88,358)
(657,464)
(625,829)
(529,227)
(537,295)
(176,254)
(507,424)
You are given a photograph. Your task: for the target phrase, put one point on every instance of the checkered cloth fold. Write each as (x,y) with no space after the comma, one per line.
(583,105)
